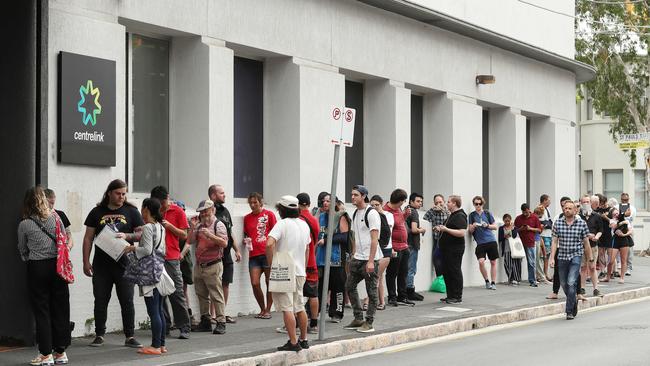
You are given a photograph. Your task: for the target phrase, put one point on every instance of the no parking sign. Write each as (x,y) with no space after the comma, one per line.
(342,128)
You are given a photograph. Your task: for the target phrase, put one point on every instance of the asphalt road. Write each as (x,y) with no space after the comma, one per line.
(611,335)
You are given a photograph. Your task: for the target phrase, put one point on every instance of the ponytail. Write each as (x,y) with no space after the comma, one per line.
(153,205)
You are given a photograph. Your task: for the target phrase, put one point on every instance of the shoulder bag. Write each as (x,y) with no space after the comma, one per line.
(63,263)
(147,270)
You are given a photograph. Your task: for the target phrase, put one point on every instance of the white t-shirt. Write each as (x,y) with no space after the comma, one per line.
(546,216)
(362,233)
(391,222)
(292,235)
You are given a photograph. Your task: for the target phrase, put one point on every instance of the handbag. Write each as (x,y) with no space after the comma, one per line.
(516,248)
(147,270)
(283,273)
(63,263)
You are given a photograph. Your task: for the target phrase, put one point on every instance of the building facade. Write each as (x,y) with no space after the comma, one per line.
(241,93)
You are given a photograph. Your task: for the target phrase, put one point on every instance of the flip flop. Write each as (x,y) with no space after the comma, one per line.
(258,316)
(381,307)
(550,297)
(265,316)
(230,320)
(365,307)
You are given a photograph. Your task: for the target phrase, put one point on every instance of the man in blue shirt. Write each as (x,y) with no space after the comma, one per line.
(481,226)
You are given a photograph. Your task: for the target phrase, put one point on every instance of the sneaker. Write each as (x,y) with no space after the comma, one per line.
(132,343)
(220,328)
(366,328)
(205,325)
(334,320)
(412,295)
(628,273)
(41,360)
(184,335)
(417,297)
(454,301)
(290,347)
(304,344)
(533,284)
(598,293)
(582,291)
(60,359)
(281,329)
(311,330)
(570,317)
(493,286)
(444,299)
(97,342)
(354,324)
(392,302)
(406,301)
(487,284)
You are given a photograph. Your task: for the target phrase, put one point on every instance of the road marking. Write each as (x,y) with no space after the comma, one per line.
(454,309)
(470,333)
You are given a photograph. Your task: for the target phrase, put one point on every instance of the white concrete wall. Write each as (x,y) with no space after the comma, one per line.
(517,20)
(309,47)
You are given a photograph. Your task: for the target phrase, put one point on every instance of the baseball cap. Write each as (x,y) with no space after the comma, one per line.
(204,205)
(288,201)
(363,190)
(303,199)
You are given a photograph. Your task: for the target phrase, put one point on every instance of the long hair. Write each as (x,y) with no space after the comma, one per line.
(35,204)
(113,185)
(153,205)
(285,212)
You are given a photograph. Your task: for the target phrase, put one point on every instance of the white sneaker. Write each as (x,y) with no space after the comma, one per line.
(41,360)
(60,358)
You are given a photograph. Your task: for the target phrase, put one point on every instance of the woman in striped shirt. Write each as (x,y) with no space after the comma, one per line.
(49,294)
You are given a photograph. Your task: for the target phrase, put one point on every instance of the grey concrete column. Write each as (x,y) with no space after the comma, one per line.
(387,137)
(552,160)
(507,149)
(298,99)
(201,138)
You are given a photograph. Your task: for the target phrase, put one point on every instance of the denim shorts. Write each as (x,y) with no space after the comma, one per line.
(258,262)
(547,245)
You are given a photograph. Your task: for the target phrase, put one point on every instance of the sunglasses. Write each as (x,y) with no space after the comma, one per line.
(478,203)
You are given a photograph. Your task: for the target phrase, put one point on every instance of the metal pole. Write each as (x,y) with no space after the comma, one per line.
(328,245)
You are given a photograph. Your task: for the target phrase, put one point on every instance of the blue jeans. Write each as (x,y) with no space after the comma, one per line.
(569,272)
(530,258)
(155,311)
(413,268)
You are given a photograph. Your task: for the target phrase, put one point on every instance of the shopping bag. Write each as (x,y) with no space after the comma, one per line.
(438,285)
(283,273)
(516,248)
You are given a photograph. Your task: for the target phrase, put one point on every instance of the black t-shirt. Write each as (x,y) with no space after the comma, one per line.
(456,220)
(606,238)
(222,213)
(413,239)
(594,223)
(64,218)
(124,220)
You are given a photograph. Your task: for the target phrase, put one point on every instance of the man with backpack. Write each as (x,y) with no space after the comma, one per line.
(482,226)
(366,224)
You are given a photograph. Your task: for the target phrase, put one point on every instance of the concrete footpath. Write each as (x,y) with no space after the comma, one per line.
(252,341)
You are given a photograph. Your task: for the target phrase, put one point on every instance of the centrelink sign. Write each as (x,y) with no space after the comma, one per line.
(86,132)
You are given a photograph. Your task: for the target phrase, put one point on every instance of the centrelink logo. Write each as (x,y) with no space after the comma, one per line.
(88,91)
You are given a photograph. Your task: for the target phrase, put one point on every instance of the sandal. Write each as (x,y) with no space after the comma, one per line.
(365,307)
(381,307)
(230,319)
(265,316)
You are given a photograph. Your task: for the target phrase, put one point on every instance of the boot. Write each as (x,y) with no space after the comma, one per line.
(205,325)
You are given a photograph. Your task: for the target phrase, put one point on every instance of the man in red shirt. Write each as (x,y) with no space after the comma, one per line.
(399,265)
(257,226)
(310,290)
(176,225)
(527,226)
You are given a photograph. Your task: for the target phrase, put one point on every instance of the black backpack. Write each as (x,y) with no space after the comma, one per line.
(384,231)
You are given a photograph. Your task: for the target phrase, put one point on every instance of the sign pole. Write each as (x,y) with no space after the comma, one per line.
(328,246)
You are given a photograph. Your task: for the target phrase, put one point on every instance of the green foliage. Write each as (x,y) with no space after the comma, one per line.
(614,38)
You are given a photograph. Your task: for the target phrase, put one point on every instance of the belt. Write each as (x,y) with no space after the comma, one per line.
(208,264)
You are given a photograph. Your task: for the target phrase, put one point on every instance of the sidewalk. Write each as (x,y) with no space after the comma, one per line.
(250,336)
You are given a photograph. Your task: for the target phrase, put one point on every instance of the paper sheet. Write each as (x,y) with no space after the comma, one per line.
(111,245)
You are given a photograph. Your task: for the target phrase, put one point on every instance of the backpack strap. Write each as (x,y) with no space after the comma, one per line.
(365,217)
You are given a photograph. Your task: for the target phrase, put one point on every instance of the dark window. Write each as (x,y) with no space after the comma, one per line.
(150,80)
(354,154)
(486,157)
(248,129)
(416,143)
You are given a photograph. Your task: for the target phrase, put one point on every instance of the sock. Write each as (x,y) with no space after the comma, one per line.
(493,283)
(313,322)
(487,281)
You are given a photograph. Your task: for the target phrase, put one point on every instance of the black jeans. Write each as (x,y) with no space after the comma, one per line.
(105,275)
(337,290)
(452,259)
(397,269)
(50,300)
(177,299)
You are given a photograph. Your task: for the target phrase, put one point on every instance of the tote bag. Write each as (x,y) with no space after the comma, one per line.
(283,273)
(516,248)
(147,270)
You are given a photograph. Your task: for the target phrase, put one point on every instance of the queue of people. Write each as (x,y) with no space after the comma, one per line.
(377,243)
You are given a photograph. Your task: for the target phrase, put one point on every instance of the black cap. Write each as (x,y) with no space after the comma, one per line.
(303,199)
